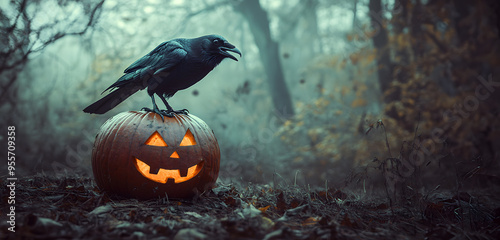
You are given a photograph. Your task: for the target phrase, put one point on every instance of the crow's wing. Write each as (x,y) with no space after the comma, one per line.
(165,55)
(162,59)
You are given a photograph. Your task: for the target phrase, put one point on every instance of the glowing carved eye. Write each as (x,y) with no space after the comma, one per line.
(188,139)
(156,140)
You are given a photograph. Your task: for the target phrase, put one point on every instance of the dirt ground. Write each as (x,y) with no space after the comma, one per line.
(74,208)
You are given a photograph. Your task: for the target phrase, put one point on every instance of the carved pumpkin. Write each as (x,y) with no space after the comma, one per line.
(137,154)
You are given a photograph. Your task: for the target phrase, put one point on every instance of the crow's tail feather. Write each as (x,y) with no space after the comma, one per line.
(111,100)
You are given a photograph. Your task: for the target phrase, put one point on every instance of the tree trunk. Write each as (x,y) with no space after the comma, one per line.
(380,41)
(269,55)
(355,14)
(399,22)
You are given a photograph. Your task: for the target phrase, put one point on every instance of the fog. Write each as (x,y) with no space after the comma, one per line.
(340,121)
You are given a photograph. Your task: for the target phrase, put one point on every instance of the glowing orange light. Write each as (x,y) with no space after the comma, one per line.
(174,155)
(156,140)
(164,174)
(188,139)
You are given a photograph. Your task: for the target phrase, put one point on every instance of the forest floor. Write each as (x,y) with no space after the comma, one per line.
(73,207)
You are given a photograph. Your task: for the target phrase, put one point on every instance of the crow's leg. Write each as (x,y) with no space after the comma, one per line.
(170,111)
(155,108)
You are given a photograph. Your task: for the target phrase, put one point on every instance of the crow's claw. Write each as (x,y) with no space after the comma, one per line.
(172,112)
(167,113)
(157,111)
(183,111)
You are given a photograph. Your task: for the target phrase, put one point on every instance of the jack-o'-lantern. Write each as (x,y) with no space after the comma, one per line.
(140,155)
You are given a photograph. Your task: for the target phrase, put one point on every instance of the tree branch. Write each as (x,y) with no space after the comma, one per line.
(17,46)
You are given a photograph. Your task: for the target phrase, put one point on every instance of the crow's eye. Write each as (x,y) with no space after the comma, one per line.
(217,42)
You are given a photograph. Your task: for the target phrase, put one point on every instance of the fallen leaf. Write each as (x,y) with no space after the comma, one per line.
(194,214)
(264,209)
(101,210)
(310,221)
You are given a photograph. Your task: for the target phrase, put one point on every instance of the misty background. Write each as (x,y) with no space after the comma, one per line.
(326,92)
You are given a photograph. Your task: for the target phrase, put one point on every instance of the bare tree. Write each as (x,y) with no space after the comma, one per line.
(381,43)
(25,31)
(23,34)
(269,54)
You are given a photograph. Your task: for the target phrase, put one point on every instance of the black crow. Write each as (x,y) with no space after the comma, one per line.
(172,66)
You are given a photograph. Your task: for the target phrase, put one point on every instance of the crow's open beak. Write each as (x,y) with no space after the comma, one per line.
(228,47)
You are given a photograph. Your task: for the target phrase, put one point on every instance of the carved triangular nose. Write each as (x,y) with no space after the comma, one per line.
(174,155)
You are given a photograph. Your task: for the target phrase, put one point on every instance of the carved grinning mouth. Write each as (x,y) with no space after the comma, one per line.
(164,174)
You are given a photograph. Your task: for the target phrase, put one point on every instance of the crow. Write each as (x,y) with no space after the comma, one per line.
(172,66)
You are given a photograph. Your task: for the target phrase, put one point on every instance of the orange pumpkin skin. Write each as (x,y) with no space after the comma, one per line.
(138,155)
